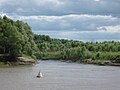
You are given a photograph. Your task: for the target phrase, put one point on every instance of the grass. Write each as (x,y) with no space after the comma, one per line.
(26,56)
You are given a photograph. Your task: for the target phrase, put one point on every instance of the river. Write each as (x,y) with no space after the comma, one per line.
(60,76)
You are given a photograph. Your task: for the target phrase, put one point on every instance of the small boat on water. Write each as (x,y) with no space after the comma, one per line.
(39,75)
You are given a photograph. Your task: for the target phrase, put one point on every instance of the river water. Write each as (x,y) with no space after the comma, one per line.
(60,76)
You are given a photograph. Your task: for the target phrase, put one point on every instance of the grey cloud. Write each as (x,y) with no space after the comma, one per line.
(30,7)
(71,22)
(77,27)
(60,7)
(71,19)
(83,36)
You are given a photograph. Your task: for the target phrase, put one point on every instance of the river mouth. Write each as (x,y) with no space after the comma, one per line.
(60,76)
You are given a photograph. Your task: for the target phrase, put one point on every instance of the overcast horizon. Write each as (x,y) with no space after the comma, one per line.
(86,20)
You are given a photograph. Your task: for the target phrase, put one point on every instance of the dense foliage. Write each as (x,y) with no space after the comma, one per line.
(76,50)
(16,39)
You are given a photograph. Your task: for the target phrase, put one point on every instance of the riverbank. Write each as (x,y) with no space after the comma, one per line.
(88,61)
(98,62)
(19,61)
(25,61)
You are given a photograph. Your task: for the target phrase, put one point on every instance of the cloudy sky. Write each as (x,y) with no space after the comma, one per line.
(86,20)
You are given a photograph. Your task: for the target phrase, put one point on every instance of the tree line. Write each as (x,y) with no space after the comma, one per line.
(50,48)
(17,40)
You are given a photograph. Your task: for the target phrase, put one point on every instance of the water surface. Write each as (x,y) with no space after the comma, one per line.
(60,76)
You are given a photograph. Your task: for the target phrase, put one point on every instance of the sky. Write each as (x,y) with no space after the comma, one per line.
(85,20)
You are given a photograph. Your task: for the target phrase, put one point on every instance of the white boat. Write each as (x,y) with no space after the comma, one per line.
(39,75)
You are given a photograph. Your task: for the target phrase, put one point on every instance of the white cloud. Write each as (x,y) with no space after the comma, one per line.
(110,28)
(2,1)
(69,17)
(83,35)
(4,14)
(81,22)
(39,2)
(97,0)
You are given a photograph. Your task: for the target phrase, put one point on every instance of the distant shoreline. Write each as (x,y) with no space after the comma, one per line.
(94,62)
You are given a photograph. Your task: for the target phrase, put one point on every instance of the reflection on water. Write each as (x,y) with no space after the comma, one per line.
(60,76)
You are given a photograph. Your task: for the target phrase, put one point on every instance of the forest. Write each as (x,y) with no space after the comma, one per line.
(77,51)
(18,40)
